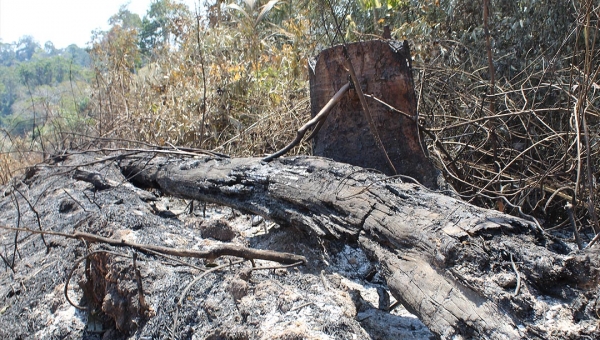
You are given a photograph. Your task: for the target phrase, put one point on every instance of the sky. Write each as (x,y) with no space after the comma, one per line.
(64,22)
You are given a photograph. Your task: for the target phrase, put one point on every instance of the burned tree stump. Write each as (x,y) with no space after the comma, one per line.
(383,69)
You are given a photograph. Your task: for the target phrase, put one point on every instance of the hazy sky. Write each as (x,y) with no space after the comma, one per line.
(63,22)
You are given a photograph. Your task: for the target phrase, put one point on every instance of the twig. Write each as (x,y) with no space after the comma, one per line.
(411,117)
(583,96)
(277,267)
(594,240)
(7,263)
(37,215)
(302,306)
(556,192)
(394,306)
(175,260)
(143,306)
(187,288)
(514,266)
(569,209)
(16,232)
(217,251)
(189,208)
(76,201)
(93,201)
(321,116)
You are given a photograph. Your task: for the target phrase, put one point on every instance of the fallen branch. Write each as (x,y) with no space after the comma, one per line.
(319,118)
(217,251)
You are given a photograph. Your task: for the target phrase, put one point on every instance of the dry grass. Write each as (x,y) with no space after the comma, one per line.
(526,141)
(529,142)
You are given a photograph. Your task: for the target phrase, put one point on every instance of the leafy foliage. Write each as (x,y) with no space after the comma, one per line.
(162,25)
(43,99)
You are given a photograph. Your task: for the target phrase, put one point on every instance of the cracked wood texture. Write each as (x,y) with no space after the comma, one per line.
(384,72)
(447,261)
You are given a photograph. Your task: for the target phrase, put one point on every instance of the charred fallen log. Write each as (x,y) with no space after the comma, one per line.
(465,271)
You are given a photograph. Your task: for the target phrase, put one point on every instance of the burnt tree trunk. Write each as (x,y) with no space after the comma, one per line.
(383,69)
(449,262)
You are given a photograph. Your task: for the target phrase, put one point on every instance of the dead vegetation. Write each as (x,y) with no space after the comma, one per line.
(509,102)
(515,128)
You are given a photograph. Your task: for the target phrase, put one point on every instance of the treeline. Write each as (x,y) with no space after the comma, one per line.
(32,74)
(37,82)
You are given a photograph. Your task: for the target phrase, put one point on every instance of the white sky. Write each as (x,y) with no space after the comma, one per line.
(63,22)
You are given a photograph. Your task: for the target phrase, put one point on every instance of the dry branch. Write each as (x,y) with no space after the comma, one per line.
(214,252)
(318,119)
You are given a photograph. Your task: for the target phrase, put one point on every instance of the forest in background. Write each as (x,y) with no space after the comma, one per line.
(34,75)
(507,89)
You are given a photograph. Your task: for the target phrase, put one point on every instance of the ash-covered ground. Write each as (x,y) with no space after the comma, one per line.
(338,294)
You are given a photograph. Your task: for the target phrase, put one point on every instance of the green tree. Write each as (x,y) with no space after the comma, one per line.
(77,55)
(47,71)
(26,47)
(49,49)
(162,24)
(48,66)
(126,19)
(117,48)
(8,55)
(8,89)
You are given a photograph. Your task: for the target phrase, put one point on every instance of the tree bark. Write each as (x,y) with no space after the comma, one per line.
(449,262)
(383,69)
